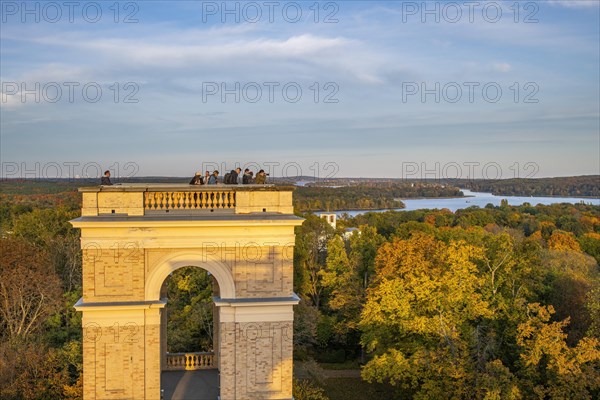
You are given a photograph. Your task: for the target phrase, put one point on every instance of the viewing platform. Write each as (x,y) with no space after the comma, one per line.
(182,199)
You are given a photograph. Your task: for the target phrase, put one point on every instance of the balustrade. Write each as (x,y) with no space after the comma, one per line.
(190,361)
(182,200)
(186,201)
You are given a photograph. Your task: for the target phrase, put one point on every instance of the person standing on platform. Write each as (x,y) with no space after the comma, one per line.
(105,180)
(214,178)
(261,177)
(231,178)
(247,178)
(197,179)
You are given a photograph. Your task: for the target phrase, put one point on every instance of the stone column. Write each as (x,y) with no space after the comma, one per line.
(121,350)
(153,352)
(163,338)
(216,333)
(256,348)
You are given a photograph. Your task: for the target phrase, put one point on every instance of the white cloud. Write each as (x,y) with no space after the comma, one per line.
(180,48)
(225,52)
(10,100)
(501,67)
(575,3)
(52,72)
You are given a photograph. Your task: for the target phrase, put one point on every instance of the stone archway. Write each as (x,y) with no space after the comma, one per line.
(159,271)
(189,258)
(134,236)
(190,371)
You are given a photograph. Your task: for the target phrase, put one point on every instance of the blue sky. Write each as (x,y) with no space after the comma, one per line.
(361,67)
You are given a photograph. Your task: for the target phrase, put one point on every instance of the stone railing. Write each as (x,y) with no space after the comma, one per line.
(186,201)
(138,199)
(190,361)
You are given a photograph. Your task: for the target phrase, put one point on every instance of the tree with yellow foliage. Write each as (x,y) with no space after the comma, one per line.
(560,240)
(447,318)
(551,368)
(419,316)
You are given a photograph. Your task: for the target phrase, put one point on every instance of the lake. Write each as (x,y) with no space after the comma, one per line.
(479,199)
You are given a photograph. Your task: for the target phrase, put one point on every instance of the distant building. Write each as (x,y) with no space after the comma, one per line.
(349,231)
(331,218)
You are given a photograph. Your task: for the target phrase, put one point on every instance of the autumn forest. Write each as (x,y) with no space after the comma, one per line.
(483,303)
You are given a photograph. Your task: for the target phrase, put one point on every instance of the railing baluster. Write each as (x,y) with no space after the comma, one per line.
(189,361)
(200,200)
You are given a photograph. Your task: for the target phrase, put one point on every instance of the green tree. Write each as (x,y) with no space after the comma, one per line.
(337,276)
(189,311)
(29,289)
(303,389)
(572,274)
(592,306)
(306,319)
(590,243)
(49,229)
(310,254)
(343,289)
(33,371)
(364,244)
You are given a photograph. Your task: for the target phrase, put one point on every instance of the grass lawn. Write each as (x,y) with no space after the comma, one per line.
(357,389)
(352,364)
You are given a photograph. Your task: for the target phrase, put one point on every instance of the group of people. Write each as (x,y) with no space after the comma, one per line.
(230,178)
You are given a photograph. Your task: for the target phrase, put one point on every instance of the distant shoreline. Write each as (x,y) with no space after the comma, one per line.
(499,195)
(353,209)
(544,195)
(433,198)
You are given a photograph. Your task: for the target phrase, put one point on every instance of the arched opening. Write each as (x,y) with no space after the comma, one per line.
(189,333)
(190,373)
(219,270)
(189,293)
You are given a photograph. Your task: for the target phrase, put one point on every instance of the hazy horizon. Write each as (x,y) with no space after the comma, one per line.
(306,178)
